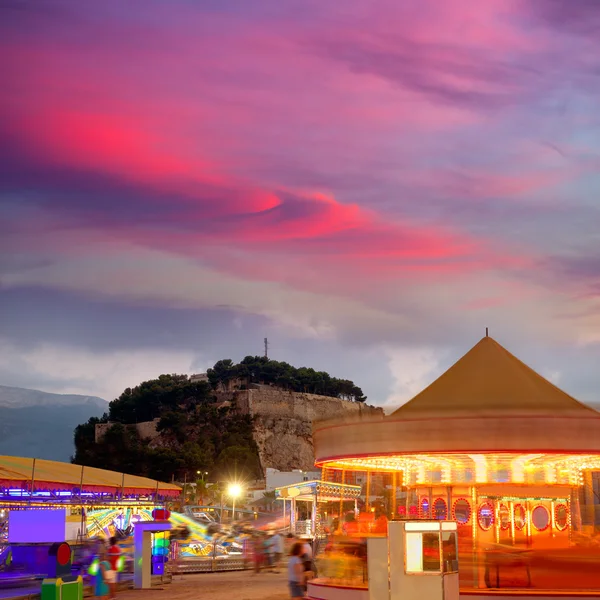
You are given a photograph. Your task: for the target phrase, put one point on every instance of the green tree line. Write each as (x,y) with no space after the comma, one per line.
(261,370)
(195,434)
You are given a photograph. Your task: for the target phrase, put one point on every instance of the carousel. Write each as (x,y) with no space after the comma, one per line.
(496,448)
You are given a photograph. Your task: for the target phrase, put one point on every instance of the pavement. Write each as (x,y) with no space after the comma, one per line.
(240,585)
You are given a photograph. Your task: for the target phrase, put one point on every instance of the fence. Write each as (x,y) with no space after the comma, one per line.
(207,564)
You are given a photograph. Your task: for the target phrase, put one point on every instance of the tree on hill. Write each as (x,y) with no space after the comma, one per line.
(196,435)
(151,399)
(261,370)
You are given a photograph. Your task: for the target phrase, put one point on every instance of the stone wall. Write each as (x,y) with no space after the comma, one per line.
(146,430)
(283,423)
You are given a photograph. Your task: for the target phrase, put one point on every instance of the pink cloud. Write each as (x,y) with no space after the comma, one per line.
(231,126)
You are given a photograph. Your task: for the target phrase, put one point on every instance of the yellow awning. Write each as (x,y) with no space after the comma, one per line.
(19,472)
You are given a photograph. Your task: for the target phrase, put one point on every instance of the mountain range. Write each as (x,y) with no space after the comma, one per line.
(40,424)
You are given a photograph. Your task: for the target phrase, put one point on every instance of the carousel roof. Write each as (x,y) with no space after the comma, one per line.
(488,402)
(489,379)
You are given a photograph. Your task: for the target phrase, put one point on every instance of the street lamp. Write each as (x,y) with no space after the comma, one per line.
(201,475)
(234,490)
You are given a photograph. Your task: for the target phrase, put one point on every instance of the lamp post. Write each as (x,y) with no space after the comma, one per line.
(234,490)
(200,478)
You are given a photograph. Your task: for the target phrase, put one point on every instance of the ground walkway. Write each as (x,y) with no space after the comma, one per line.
(241,585)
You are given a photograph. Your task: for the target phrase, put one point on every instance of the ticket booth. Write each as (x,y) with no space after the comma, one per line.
(422,558)
(142,538)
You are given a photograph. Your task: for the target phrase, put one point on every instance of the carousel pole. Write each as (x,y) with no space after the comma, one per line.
(293,516)
(497,520)
(474,536)
(313,518)
(394,494)
(575,506)
(342,499)
(83,516)
(368,502)
(431,515)
(529,535)
(511,508)
(32,486)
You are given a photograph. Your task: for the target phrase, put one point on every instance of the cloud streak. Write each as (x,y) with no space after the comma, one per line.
(378,172)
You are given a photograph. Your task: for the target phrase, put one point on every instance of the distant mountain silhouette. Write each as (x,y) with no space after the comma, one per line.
(40,424)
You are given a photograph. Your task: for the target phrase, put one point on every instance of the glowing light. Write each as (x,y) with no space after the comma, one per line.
(414,553)
(94,567)
(481,467)
(234,490)
(456,469)
(521,465)
(121,564)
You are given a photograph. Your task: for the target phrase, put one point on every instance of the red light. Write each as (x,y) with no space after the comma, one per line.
(63,555)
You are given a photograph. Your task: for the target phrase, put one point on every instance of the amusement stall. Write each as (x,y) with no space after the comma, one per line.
(312,506)
(495,448)
(43,503)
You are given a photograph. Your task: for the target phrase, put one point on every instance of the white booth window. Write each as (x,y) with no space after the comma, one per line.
(450,551)
(431,547)
(423,552)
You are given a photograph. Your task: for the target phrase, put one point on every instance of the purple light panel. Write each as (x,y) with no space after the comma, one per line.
(31,526)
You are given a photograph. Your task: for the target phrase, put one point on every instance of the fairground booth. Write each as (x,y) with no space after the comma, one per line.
(496,448)
(45,502)
(311,505)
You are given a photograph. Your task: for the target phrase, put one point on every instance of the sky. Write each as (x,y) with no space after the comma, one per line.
(369,184)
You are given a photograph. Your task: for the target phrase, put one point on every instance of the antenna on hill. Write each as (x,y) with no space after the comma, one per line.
(486,333)
(266,348)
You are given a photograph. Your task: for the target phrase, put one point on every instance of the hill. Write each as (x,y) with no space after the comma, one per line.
(40,424)
(233,421)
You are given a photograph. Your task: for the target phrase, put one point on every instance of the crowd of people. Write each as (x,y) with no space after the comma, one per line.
(267,550)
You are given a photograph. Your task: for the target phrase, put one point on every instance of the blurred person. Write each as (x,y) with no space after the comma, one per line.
(248,551)
(296,571)
(266,550)
(307,551)
(380,525)
(277,547)
(350,526)
(307,557)
(258,553)
(103,576)
(335,525)
(365,522)
(89,554)
(269,551)
(114,553)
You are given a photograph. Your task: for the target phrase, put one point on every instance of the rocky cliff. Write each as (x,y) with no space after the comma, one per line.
(283,423)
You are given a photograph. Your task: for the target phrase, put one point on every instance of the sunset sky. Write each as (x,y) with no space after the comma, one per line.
(367,183)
